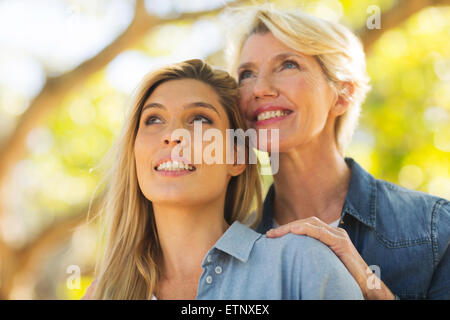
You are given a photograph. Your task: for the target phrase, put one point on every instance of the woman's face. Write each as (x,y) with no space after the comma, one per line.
(281,88)
(173,105)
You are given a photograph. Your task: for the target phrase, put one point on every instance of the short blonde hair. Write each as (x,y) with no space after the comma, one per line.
(337,50)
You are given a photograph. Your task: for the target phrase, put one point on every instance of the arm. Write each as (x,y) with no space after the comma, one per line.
(339,242)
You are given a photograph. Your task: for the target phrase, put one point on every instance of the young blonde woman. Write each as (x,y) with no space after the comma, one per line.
(174,231)
(307,78)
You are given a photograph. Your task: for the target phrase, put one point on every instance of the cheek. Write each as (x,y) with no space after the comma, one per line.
(311,96)
(143,151)
(139,150)
(214,181)
(297,89)
(244,96)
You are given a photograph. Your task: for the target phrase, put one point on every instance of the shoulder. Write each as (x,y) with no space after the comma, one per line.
(401,197)
(369,193)
(312,265)
(414,210)
(294,248)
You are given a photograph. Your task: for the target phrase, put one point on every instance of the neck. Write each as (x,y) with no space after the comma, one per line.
(186,233)
(312,180)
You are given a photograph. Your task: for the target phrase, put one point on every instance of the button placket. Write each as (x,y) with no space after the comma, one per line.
(218,269)
(209,278)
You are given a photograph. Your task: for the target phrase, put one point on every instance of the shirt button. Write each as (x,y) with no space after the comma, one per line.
(218,270)
(208,279)
(208,258)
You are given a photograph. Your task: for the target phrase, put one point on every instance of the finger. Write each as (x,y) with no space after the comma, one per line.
(284,229)
(296,227)
(319,223)
(321,233)
(278,232)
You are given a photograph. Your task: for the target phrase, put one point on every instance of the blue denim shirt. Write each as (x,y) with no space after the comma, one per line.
(246,265)
(404,234)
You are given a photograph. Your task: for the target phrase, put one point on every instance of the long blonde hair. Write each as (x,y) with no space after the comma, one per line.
(128,267)
(337,50)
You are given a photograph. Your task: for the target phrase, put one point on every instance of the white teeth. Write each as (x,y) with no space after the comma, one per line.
(271,114)
(174,165)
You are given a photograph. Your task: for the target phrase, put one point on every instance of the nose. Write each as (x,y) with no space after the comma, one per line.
(264,88)
(168,141)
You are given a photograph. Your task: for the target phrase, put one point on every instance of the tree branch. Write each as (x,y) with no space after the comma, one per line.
(394,17)
(53,93)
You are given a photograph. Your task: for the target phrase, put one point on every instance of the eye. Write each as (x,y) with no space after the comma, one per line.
(202,119)
(152,120)
(289,64)
(245,74)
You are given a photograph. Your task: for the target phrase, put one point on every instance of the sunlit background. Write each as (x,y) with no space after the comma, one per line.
(68,67)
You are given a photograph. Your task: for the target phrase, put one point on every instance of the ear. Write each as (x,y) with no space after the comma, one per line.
(236,168)
(343,100)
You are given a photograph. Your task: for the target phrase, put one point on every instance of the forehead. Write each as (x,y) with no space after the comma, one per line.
(265,49)
(184,89)
(265,46)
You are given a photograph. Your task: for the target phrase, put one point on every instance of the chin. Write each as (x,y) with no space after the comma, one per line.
(264,142)
(169,200)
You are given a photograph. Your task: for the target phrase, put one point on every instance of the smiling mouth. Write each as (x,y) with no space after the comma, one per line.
(174,166)
(268,115)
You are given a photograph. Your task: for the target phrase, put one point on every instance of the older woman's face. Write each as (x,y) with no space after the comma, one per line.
(177,104)
(281,88)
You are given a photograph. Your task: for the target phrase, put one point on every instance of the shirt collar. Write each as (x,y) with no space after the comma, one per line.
(360,201)
(237,241)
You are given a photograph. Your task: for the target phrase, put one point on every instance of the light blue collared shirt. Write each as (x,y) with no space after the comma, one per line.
(246,265)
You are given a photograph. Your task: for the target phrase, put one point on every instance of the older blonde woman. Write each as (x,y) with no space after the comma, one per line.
(307,78)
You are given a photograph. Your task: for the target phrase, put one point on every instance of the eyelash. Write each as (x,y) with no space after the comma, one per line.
(283,64)
(208,120)
(291,62)
(241,74)
(150,118)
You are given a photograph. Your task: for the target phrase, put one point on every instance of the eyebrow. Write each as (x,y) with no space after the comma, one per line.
(281,56)
(188,106)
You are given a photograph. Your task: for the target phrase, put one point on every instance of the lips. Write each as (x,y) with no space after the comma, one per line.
(270,111)
(170,164)
(266,115)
